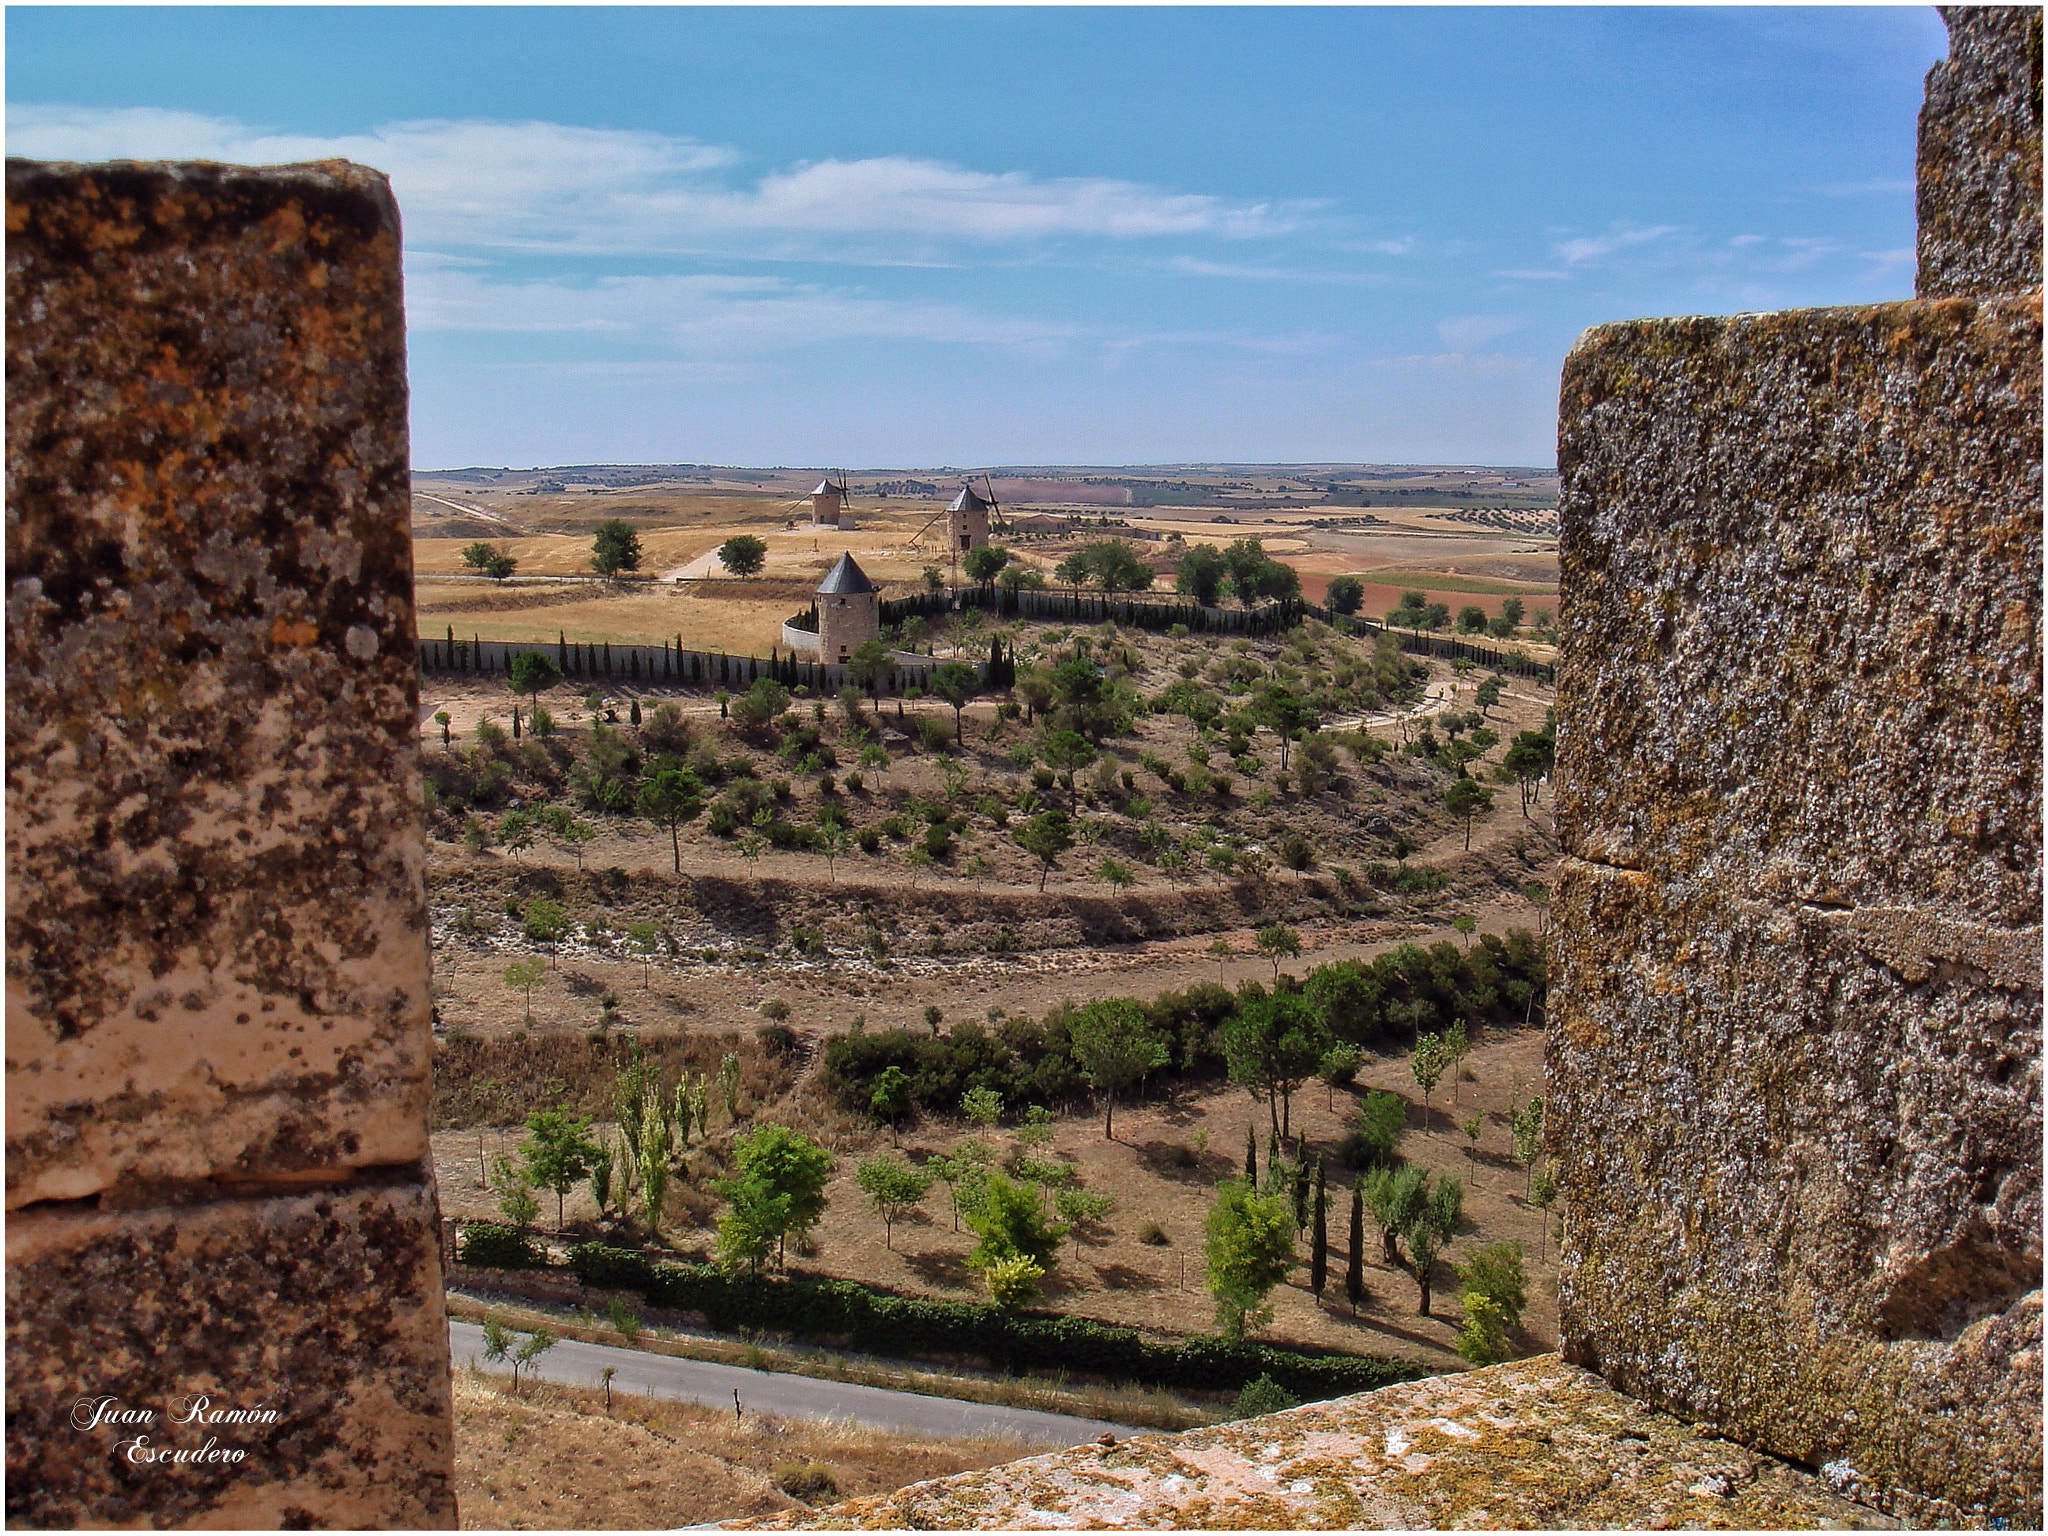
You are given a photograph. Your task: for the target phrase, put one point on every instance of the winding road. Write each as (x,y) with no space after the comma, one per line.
(573,1363)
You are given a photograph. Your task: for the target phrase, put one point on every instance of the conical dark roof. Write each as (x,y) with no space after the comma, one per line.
(844,577)
(968,501)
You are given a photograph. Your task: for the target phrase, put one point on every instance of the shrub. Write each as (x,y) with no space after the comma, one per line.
(774,1008)
(1483,1340)
(869,839)
(1152,1234)
(1263,1396)
(492,1245)
(806,1480)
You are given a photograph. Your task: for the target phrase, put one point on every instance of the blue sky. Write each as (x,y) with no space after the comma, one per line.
(969,236)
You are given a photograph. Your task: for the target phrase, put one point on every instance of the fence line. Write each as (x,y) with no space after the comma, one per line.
(663,665)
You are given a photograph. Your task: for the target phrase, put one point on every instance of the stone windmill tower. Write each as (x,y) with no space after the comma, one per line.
(849,610)
(828,502)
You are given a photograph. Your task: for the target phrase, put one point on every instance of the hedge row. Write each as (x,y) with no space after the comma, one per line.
(882,1323)
(490,1245)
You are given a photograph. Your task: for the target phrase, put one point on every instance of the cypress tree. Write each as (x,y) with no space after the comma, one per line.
(562,649)
(633,664)
(1301,1189)
(1272,1156)
(1354,1266)
(1251,1156)
(607,658)
(1319,1245)
(636,711)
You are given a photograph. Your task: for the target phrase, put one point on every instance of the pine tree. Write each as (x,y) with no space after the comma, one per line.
(1354,1266)
(1319,1246)
(1251,1157)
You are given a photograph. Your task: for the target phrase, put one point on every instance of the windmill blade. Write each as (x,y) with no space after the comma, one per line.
(997,523)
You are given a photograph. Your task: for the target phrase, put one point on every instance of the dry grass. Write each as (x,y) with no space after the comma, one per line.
(551,1459)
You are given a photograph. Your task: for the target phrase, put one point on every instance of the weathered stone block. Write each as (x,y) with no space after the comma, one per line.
(1980,156)
(1801,569)
(1795,1088)
(1802,1154)
(216,945)
(323,1308)
(1535,1445)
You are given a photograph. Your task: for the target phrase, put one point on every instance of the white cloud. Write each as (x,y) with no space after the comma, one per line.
(1468,333)
(704,314)
(1195,266)
(1593,247)
(538,186)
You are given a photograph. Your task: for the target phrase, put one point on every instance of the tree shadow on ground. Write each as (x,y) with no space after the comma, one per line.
(939,1266)
(1182,1163)
(1121,1277)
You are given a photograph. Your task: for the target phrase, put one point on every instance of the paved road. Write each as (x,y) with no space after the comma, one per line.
(800,1397)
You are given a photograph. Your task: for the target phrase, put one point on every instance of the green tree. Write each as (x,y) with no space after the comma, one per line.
(1354,1261)
(1465,799)
(615,549)
(1081,1208)
(515,832)
(1526,1124)
(515,1193)
(869,664)
(1277,942)
(1496,1272)
(894,1187)
(1346,594)
(532,673)
(794,1169)
(1511,610)
(1271,1046)
(754,1221)
(1045,837)
(889,1097)
(984,563)
(957,684)
(1286,713)
(1529,759)
(671,798)
(1111,564)
(525,973)
(1010,1221)
(1428,1063)
(1483,1338)
(1248,1247)
(1113,1047)
(644,938)
(1251,1155)
(743,554)
(1429,1230)
(982,1105)
(1394,1196)
(488,560)
(558,1151)
(545,921)
(1200,573)
(1381,1122)
(1471,619)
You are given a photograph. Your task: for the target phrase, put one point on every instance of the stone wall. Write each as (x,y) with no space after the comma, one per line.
(1537,1445)
(1796,1027)
(217,965)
